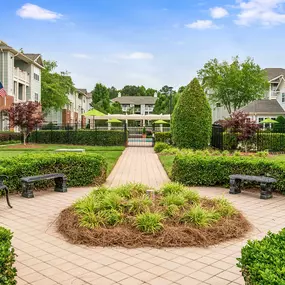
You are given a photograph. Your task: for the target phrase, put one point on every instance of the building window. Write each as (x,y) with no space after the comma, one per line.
(36,77)
(218,105)
(36,97)
(283,97)
(260,120)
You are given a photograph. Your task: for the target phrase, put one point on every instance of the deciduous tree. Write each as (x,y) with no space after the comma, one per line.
(54,87)
(100,98)
(26,116)
(235,84)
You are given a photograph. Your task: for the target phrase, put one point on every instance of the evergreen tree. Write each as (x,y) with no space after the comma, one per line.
(191,119)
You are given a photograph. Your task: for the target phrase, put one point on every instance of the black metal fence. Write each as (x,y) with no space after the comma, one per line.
(272,139)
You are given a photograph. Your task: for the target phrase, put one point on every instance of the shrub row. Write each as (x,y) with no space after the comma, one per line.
(262,262)
(163,137)
(261,141)
(80,169)
(81,137)
(9,136)
(215,170)
(7,258)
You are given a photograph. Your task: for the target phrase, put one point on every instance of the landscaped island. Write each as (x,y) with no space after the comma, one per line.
(133,216)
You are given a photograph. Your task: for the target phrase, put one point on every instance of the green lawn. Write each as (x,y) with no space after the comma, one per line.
(167,162)
(111,154)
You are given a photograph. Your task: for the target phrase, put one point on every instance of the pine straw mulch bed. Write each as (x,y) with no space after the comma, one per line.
(171,236)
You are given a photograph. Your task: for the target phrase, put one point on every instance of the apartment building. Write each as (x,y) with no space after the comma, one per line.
(143,105)
(72,113)
(20,74)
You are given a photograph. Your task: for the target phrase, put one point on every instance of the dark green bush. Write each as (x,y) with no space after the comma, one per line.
(263,261)
(81,137)
(191,120)
(163,137)
(215,170)
(80,169)
(9,136)
(7,258)
(160,146)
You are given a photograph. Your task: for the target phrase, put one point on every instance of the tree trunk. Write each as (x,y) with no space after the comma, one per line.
(25,137)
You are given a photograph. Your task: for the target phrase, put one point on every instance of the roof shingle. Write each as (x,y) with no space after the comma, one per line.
(274,72)
(136,100)
(264,106)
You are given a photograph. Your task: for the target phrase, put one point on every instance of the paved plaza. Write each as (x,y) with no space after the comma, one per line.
(44,257)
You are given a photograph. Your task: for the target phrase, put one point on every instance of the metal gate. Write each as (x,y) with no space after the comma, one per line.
(140,136)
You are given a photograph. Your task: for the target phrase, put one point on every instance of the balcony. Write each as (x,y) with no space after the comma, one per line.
(21,76)
(274,94)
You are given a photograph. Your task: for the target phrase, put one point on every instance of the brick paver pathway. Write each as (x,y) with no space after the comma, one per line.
(44,257)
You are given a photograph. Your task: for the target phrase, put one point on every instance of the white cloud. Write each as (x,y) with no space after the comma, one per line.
(264,12)
(137,55)
(81,55)
(31,11)
(218,12)
(202,25)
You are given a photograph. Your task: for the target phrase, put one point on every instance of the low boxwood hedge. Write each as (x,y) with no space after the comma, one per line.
(193,169)
(7,258)
(263,261)
(80,137)
(80,169)
(163,137)
(9,136)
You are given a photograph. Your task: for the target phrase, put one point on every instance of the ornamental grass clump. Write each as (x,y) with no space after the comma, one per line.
(131,216)
(149,223)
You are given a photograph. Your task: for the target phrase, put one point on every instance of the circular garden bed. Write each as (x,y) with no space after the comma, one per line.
(133,216)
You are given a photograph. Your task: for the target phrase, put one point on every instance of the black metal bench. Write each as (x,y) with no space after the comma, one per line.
(5,188)
(28,183)
(236,181)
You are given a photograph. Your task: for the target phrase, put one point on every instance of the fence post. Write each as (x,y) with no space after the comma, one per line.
(51,133)
(126,134)
(36,133)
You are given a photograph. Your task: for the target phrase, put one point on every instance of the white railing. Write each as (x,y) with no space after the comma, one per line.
(21,75)
(274,94)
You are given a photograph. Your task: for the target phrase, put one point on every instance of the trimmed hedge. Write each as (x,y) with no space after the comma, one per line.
(160,146)
(163,137)
(261,141)
(9,136)
(80,169)
(263,261)
(7,258)
(80,137)
(198,170)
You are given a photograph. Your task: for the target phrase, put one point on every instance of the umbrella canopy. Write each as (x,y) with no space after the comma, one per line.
(94,113)
(268,121)
(160,122)
(114,121)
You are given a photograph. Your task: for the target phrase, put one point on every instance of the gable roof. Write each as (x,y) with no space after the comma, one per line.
(136,100)
(273,73)
(264,106)
(27,57)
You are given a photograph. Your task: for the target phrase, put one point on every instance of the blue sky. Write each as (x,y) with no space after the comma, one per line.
(144,42)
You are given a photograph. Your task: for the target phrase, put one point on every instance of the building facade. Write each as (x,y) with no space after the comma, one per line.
(20,74)
(143,105)
(72,113)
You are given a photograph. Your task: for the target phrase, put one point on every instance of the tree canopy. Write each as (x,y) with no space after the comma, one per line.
(234,84)
(100,98)
(191,118)
(54,87)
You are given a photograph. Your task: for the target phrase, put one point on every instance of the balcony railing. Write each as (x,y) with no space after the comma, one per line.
(274,94)
(21,75)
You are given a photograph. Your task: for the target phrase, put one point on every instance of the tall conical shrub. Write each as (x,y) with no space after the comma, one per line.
(192,118)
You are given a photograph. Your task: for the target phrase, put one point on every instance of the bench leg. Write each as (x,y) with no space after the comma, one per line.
(27,190)
(265,191)
(60,185)
(7,197)
(235,185)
